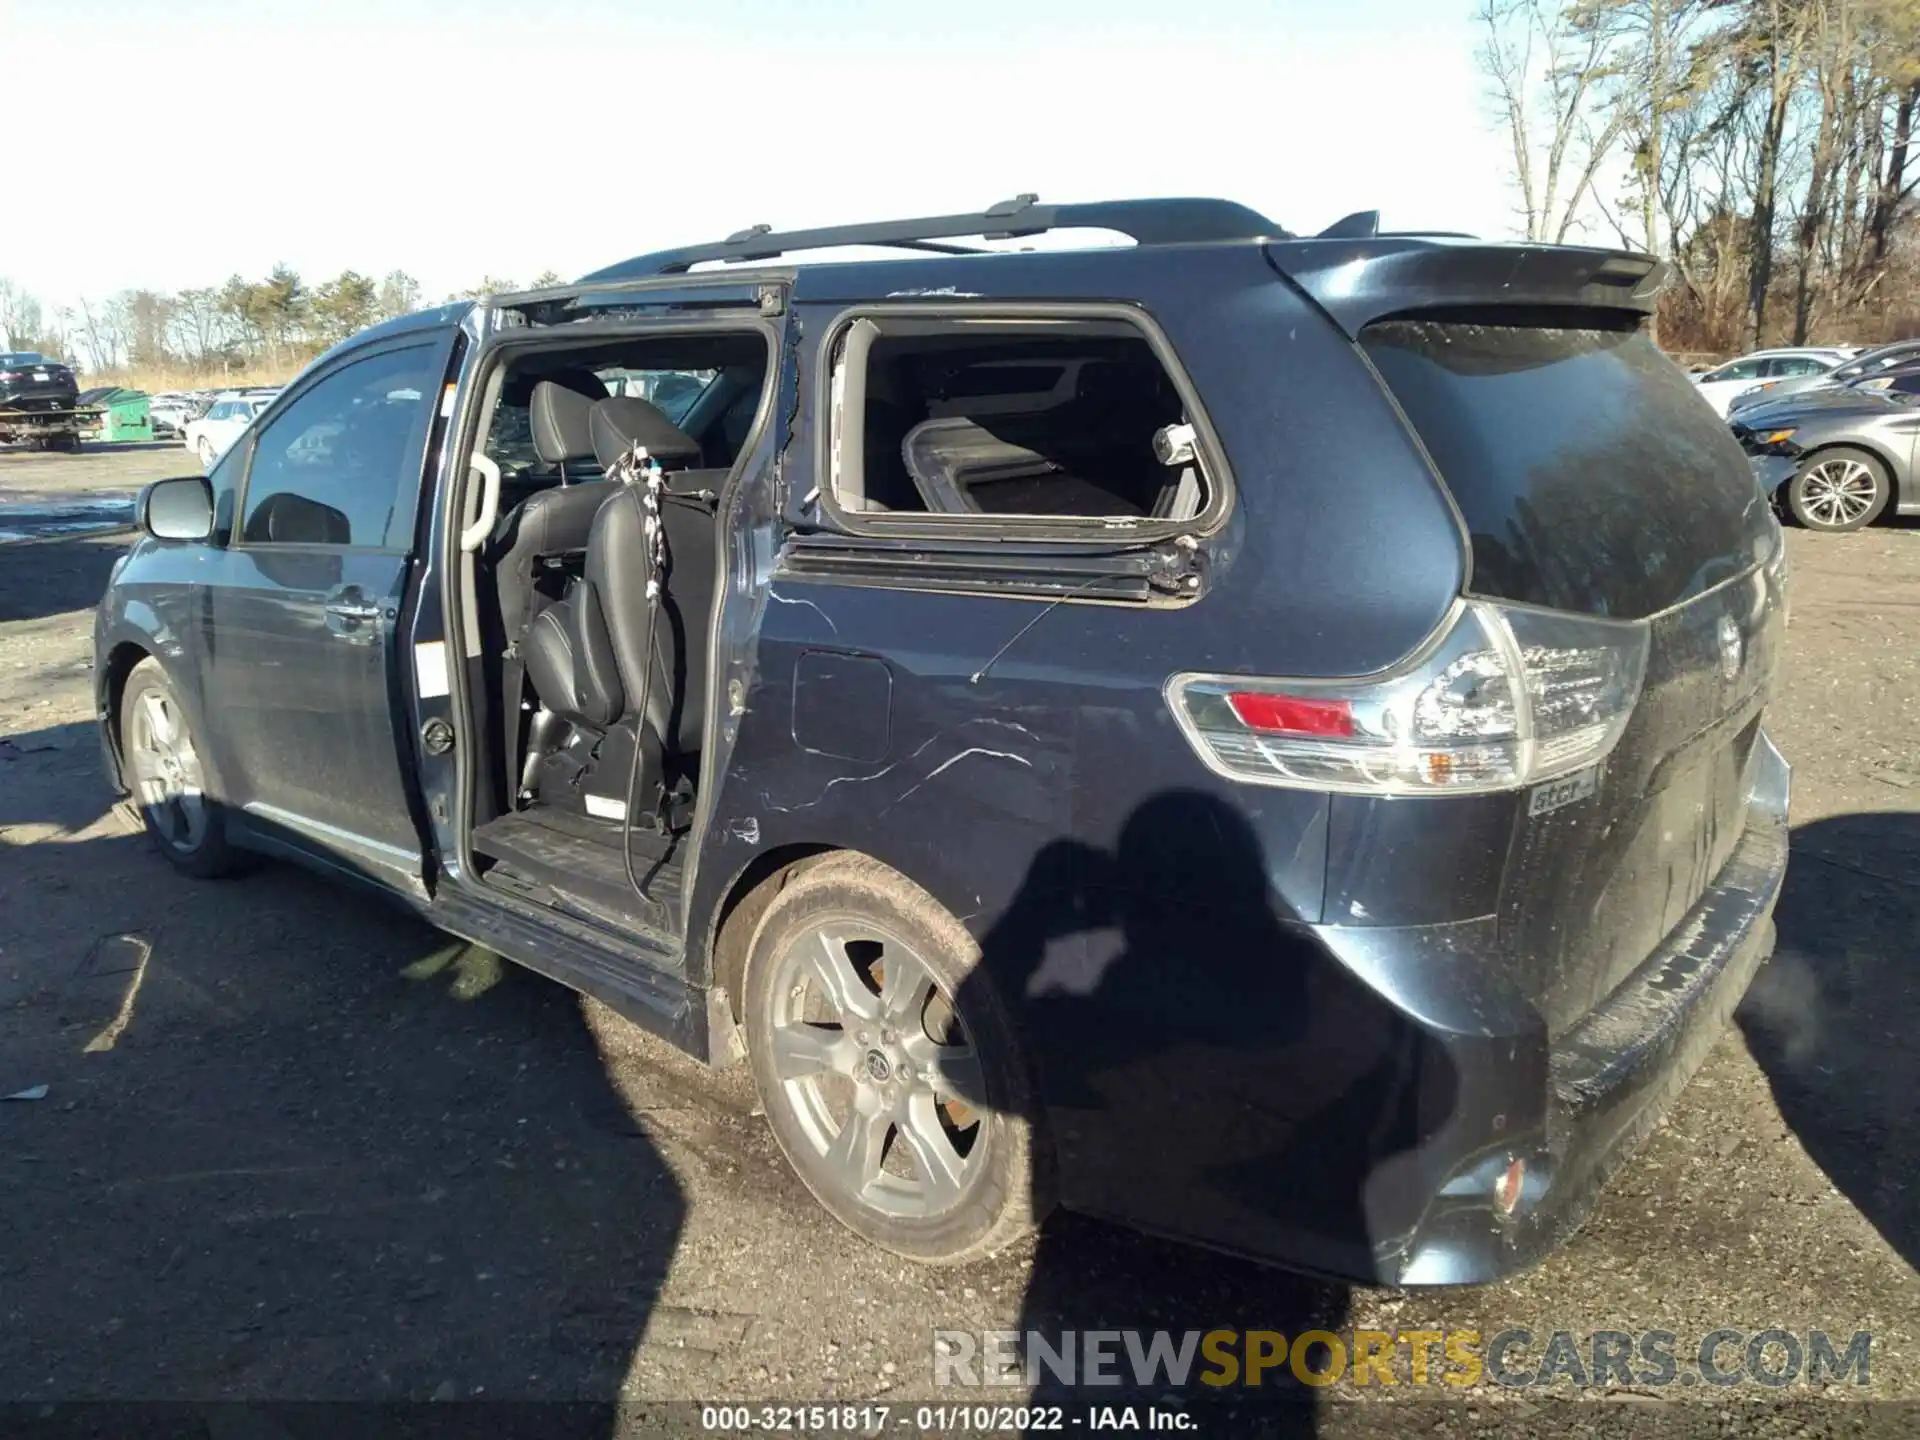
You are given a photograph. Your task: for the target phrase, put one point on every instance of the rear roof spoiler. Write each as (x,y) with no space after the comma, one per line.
(1362,280)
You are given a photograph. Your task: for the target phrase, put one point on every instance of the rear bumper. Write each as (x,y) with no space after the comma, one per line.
(46,397)
(42,418)
(1607,1082)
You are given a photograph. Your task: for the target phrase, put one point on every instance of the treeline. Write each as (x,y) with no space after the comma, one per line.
(265,327)
(1763,146)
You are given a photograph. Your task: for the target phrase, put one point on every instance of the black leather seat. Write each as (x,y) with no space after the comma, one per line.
(589,655)
(557,520)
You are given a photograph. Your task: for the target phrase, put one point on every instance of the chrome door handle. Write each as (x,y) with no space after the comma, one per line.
(352,610)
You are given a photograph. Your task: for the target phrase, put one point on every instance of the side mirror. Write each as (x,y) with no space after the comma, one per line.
(179,509)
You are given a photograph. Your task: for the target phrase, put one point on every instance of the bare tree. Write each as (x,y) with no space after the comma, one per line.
(149,318)
(20,320)
(1547,70)
(104,332)
(1655,82)
(196,327)
(1775,49)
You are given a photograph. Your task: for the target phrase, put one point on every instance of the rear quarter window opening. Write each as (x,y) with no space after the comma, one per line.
(1000,419)
(1590,476)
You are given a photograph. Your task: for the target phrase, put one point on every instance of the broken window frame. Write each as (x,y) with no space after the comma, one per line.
(835,377)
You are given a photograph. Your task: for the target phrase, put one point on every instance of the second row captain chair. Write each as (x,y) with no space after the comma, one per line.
(597,656)
(555,520)
(545,529)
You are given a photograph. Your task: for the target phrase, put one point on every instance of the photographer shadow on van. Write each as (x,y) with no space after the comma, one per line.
(1208,1071)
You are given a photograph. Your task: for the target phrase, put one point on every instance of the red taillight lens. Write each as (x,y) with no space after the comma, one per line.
(1504,697)
(1292,714)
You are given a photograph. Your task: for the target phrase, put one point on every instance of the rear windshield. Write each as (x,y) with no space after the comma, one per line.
(1591,475)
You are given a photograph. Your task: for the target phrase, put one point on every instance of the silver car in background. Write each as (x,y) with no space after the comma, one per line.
(1838,457)
(210,436)
(1865,363)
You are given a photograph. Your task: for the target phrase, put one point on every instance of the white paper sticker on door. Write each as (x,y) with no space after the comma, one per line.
(430,669)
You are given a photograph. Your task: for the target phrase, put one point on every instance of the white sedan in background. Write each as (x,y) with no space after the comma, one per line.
(210,436)
(1718,387)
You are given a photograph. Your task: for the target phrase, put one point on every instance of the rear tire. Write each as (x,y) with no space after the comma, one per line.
(166,779)
(891,1074)
(1839,490)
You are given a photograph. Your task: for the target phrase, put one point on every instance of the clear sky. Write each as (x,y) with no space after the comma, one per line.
(461,138)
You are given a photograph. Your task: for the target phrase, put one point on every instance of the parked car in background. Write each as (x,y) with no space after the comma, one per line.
(210,435)
(1718,387)
(171,411)
(1837,458)
(1863,363)
(32,381)
(37,399)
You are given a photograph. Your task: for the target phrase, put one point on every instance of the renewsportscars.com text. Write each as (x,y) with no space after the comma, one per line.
(1457,1359)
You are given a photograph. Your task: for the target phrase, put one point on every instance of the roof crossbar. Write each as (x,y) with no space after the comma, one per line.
(1147,222)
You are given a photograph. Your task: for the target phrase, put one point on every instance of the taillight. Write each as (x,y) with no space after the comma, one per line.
(1506,697)
(1291,714)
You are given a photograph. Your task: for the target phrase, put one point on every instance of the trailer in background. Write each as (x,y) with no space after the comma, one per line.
(49,427)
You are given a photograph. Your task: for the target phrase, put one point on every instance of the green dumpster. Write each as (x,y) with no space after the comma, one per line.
(124,415)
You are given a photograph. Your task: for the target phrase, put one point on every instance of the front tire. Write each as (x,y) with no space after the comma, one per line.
(166,778)
(891,1074)
(1839,490)
(204,447)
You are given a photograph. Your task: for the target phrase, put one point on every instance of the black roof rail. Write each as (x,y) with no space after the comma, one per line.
(1148,222)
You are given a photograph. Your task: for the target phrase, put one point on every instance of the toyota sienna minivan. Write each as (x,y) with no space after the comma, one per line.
(1257,736)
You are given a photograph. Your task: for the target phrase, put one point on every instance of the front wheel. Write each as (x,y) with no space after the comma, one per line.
(207,457)
(167,779)
(890,1071)
(1839,489)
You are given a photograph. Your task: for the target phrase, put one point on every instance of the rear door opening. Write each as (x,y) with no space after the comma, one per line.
(586,812)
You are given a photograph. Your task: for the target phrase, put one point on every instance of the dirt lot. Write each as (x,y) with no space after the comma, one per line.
(296,1147)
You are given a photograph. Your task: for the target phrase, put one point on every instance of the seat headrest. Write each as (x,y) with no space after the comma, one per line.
(623,421)
(558,414)
(292,519)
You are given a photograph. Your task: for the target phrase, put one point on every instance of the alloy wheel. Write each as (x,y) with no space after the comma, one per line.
(1838,491)
(167,779)
(877,1069)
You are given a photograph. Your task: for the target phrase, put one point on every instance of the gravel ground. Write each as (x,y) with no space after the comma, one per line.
(295,1147)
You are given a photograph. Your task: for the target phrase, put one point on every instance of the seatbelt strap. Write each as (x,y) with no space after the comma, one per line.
(513,689)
